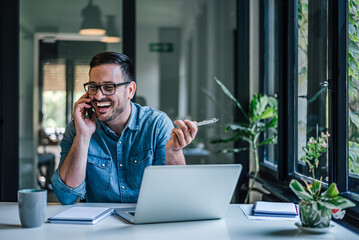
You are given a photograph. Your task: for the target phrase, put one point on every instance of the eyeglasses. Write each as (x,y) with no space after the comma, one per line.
(107,89)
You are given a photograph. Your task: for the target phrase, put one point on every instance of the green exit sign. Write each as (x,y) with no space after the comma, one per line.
(161,47)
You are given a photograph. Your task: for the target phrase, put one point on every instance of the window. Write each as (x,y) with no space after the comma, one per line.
(313,69)
(318,93)
(53,114)
(81,76)
(353,96)
(270,68)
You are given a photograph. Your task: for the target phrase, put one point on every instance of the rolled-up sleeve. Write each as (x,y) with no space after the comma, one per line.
(64,193)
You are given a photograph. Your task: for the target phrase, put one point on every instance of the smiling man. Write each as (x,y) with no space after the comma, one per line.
(104,154)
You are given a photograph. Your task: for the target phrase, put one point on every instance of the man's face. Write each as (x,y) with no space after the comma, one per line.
(109,108)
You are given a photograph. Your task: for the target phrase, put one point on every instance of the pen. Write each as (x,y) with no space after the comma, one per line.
(205,122)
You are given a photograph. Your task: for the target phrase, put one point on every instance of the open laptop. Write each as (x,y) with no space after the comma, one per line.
(183,193)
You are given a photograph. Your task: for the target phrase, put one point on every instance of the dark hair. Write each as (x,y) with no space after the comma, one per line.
(116,58)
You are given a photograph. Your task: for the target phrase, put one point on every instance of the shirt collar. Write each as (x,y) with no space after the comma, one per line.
(133,121)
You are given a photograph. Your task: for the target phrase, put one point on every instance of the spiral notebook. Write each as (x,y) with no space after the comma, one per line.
(82,215)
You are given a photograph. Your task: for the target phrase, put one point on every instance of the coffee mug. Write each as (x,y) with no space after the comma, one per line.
(32,207)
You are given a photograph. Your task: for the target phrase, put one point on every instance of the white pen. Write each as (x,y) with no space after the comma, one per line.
(205,122)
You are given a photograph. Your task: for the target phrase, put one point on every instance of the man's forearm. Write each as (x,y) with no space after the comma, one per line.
(73,169)
(175,158)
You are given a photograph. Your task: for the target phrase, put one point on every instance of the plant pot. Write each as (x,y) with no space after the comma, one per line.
(313,215)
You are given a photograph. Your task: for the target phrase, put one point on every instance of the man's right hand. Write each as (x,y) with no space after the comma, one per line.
(73,169)
(84,126)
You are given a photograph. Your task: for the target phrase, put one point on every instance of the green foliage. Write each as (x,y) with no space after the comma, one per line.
(261,117)
(353,84)
(329,199)
(314,149)
(312,193)
(353,156)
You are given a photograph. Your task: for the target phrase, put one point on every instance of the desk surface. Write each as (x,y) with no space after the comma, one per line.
(234,226)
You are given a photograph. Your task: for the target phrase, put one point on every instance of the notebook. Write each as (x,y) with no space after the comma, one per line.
(183,193)
(82,215)
(274,209)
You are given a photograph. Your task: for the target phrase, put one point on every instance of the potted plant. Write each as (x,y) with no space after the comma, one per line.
(262,116)
(317,207)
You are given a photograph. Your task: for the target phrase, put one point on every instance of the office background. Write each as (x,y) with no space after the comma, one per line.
(296,51)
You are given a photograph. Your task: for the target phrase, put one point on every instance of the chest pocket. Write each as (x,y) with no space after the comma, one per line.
(98,173)
(138,163)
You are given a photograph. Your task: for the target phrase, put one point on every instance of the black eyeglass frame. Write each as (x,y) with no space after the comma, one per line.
(115,85)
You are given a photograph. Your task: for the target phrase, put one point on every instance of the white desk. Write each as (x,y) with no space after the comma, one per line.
(234,226)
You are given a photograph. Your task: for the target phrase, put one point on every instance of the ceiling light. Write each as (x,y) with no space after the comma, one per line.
(112,35)
(91,23)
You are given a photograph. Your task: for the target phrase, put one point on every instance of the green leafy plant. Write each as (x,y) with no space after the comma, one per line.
(326,202)
(261,117)
(353,85)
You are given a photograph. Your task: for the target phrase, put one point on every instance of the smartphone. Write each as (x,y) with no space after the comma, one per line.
(90,111)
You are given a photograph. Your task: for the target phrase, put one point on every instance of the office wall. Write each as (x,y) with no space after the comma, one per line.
(209,32)
(147,65)
(169,72)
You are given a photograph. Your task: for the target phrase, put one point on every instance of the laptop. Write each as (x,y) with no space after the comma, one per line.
(183,193)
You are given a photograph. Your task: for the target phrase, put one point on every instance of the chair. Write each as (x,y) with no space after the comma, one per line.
(46,167)
(46,161)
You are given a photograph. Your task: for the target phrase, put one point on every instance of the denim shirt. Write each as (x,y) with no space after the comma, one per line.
(115,165)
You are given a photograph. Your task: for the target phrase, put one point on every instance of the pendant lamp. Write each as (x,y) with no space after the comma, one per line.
(91,22)
(112,35)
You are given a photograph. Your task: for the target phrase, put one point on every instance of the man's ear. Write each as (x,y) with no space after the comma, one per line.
(131,89)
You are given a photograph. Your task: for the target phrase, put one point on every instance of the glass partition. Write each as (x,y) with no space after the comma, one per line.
(54,60)
(181,46)
(313,75)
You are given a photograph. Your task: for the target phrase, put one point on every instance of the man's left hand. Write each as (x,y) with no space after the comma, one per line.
(180,138)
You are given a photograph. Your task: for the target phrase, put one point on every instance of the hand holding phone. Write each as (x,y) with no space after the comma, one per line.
(90,111)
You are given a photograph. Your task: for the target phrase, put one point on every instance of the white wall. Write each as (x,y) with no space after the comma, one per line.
(147,65)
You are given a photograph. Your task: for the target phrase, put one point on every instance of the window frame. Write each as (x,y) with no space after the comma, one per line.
(276,181)
(266,169)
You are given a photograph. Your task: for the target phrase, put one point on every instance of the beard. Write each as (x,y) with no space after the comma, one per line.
(113,112)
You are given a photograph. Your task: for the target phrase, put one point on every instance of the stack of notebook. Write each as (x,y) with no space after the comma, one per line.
(274,209)
(82,215)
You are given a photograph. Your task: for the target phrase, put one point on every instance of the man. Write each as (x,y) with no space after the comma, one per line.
(103,155)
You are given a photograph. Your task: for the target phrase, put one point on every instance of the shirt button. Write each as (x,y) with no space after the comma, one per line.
(135,161)
(103,165)
(119,142)
(121,165)
(123,187)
